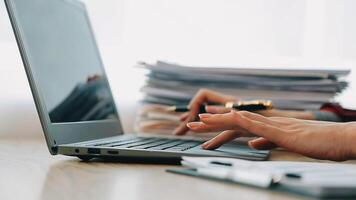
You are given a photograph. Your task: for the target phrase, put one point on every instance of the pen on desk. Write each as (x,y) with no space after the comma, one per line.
(254,105)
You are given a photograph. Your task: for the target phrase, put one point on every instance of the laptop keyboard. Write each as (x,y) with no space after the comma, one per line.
(152,144)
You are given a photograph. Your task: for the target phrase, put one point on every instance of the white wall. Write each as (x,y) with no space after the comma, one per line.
(206,32)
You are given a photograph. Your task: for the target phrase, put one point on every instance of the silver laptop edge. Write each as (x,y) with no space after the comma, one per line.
(70,89)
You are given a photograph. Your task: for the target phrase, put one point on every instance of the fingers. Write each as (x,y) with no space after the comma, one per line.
(184,116)
(182,128)
(261,144)
(209,109)
(221,139)
(250,122)
(200,127)
(263,129)
(205,95)
(229,118)
(217,109)
(202,97)
(220,122)
(237,124)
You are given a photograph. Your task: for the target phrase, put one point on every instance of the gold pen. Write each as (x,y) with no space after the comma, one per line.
(253,105)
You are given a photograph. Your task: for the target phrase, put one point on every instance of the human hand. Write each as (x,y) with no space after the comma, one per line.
(322,140)
(204,96)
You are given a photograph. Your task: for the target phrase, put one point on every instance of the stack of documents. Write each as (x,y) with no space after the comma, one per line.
(326,180)
(307,89)
(288,88)
(156,119)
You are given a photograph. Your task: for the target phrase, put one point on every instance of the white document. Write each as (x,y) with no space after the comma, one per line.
(265,71)
(311,174)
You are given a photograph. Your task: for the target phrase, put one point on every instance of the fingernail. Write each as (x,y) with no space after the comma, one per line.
(205,116)
(193,125)
(210,109)
(251,143)
(206,144)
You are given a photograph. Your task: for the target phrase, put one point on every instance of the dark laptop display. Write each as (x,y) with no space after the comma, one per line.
(65,60)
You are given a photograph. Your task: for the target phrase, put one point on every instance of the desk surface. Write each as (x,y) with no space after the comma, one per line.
(28,171)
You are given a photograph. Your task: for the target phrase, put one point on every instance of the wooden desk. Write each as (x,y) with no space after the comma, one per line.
(28,171)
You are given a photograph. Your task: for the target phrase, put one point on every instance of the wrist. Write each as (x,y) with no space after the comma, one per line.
(350,136)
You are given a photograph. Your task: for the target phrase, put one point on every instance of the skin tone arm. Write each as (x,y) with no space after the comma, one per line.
(205,96)
(321,140)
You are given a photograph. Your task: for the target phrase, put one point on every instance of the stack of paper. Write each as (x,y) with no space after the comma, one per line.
(307,89)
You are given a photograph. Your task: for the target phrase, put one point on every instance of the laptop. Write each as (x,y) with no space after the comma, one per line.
(72,94)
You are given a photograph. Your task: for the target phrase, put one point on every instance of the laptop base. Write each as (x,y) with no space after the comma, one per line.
(133,148)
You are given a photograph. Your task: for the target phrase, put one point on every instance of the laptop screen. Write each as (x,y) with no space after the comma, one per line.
(65,60)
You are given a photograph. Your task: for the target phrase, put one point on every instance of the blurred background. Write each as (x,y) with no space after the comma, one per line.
(297,33)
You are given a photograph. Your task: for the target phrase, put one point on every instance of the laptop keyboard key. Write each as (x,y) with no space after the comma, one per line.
(184,146)
(140,143)
(178,145)
(153,144)
(176,148)
(133,143)
(167,145)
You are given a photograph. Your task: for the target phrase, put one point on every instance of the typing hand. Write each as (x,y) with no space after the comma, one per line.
(322,140)
(203,97)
